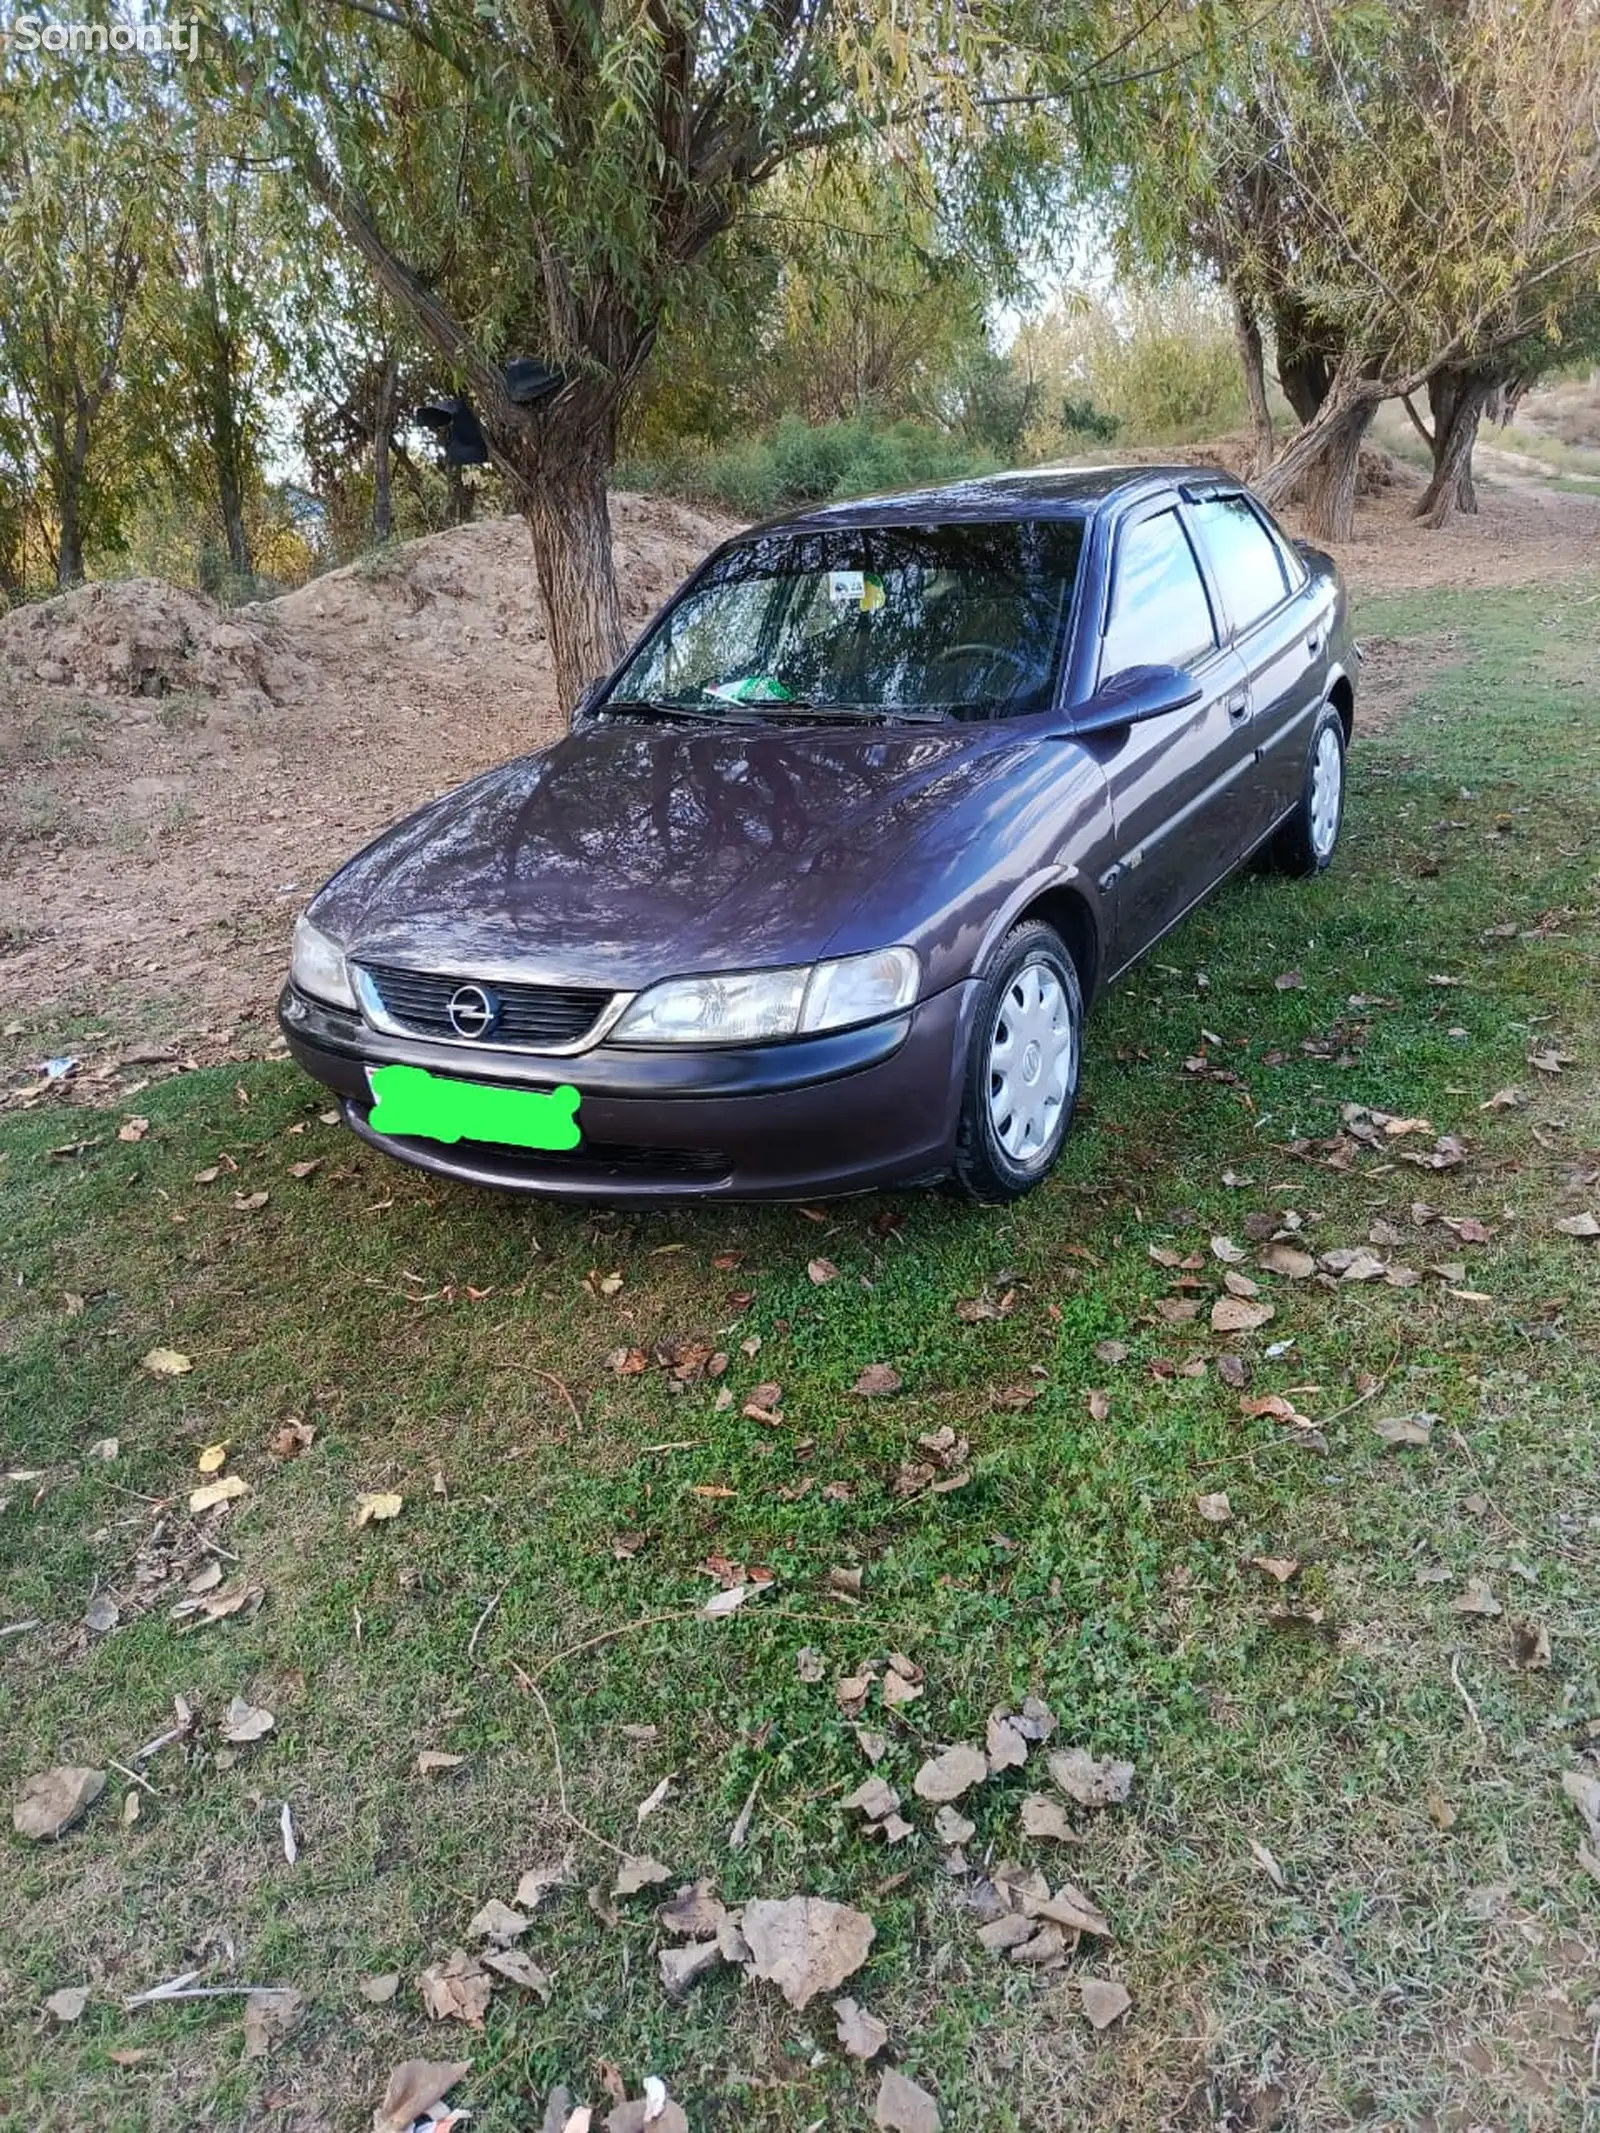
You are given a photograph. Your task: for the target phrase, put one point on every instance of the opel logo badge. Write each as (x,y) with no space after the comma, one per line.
(472,1011)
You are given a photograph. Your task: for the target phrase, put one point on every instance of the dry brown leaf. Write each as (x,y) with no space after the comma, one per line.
(497,1921)
(1287,1260)
(415,2086)
(1091,1783)
(1237,1314)
(379,1990)
(652,1800)
(268,2016)
(821,1271)
(293,1438)
(377,1505)
(1177,1310)
(877,1378)
(1476,1598)
(1396,1430)
(861,2034)
(226,1490)
(68,2004)
(1046,1820)
(1584,1225)
(948,1776)
(1105,2000)
(519,1969)
(685,1966)
(457,1989)
(627,1362)
(1530,1646)
(242,1722)
(1279,1567)
(1440,1813)
(1268,1865)
(536,1885)
(133,1129)
(900,1688)
(52,1801)
(433,1762)
(1582,1788)
(1215,1508)
(1010,1930)
(730,1600)
(635,1874)
(694,1912)
(1044,1949)
(166,1363)
(649,2113)
(873,1799)
(902,2107)
(1005,1741)
(1111,1351)
(1227,1251)
(1098,1403)
(951,1827)
(805,1944)
(1069,1907)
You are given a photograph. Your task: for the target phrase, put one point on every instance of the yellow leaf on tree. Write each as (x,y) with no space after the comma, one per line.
(216,1492)
(380,1504)
(212,1459)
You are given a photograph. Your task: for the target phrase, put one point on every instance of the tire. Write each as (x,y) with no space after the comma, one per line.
(1307,841)
(1013,1123)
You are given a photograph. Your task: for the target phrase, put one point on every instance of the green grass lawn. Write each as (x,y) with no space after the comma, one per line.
(1430,1956)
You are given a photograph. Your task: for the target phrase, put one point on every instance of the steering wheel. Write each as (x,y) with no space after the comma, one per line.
(1019,662)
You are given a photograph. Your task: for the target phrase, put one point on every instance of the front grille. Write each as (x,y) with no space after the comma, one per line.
(533,1015)
(603,1159)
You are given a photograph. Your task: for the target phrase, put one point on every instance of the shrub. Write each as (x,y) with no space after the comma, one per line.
(803,463)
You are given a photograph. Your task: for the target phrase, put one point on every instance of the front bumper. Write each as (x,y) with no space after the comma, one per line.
(846,1112)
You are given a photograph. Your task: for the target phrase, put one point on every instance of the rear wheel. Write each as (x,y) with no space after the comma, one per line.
(1306,842)
(1022,1067)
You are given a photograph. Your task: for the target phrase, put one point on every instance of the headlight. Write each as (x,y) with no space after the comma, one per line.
(316,965)
(754,1006)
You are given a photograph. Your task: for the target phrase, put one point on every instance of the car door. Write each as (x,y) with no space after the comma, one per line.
(1172,780)
(1280,638)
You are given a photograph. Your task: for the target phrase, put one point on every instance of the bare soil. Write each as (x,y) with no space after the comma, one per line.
(175,780)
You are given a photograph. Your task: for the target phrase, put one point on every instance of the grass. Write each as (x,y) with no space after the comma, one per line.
(453,1348)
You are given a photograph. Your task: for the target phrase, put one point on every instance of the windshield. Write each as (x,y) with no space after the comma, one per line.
(932,621)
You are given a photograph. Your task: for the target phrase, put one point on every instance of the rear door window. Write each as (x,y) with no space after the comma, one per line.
(1160,615)
(1244,557)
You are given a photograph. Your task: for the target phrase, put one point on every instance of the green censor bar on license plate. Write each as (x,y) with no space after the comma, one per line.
(410,1101)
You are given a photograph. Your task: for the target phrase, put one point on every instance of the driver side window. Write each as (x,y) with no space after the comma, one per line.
(1160,615)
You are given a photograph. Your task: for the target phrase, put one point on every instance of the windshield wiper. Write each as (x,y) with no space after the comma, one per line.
(857,714)
(663,707)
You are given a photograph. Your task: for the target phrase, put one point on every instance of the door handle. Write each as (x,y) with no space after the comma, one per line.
(1314,643)
(1239,705)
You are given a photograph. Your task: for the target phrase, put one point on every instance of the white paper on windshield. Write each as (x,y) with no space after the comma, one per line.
(847,588)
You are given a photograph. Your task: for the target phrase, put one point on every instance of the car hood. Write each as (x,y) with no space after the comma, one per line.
(621,854)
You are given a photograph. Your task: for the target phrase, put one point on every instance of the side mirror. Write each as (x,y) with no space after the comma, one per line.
(1135,694)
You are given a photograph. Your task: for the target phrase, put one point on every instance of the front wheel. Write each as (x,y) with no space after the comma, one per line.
(1023,1063)
(1306,842)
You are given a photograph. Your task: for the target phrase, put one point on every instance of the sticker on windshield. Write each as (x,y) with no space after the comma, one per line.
(846,587)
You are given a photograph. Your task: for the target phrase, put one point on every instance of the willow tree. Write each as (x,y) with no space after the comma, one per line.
(536,183)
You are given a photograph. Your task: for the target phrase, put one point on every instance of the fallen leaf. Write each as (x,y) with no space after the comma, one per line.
(519,1969)
(685,1966)
(1090,1782)
(457,1989)
(68,2004)
(1098,1403)
(166,1363)
(293,1438)
(1440,1813)
(215,1492)
(133,1129)
(903,2107)
(248,1202)
(1289,981)
(305,1168)
(1530,1646)
(242,1722)
(268,2016)
(763,1404)
(1582,1788)
(900,1687)
(821,1270)
(212,1459)
(1477,1598)
(1104,2000)
(627,1362)
(874,1746)
(1549,1061)
(1268,1865)
(105,1448)
(52,1801)
(1005,1742)
(652,1800)
(291,1843)
(653,2112)
(415,2086)
(951,1826)
(948,1776)
(101,1615)
(877,1378)
(1215,1509)
(694,1912)
(861,2034)
(433,1762)
(1177,1310)
(377,1505)
(379,1990)
(1279,1567)
(635,1874)
(497,1921)
(729,1601)
(1584,1225)
(1111,1351)
(1405,1429)
(1288,1260)
(805,1944)
(873,1799)
(1236,1314)
(1047,1820)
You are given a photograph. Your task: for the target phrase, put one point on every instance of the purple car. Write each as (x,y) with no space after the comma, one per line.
(813,896)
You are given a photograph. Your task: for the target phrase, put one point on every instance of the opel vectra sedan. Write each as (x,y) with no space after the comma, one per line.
(812,897)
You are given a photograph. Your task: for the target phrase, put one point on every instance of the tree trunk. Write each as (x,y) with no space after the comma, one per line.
(1457,400)
(1319,466)
(69,545)
(382,452)
(1247,335)
(570,523)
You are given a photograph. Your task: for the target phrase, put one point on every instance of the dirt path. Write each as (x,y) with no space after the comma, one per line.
(176,780)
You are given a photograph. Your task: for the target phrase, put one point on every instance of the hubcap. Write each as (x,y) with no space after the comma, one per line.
(1327,781)
(1031,1061)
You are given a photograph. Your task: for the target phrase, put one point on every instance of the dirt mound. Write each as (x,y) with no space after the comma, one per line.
(136,637)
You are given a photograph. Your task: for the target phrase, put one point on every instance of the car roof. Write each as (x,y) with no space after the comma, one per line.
(1033,492)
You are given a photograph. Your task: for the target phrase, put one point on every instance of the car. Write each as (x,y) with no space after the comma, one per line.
(814,894)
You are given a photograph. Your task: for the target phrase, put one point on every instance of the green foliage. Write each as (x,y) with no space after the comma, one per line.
(799,463)
(1158,367)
